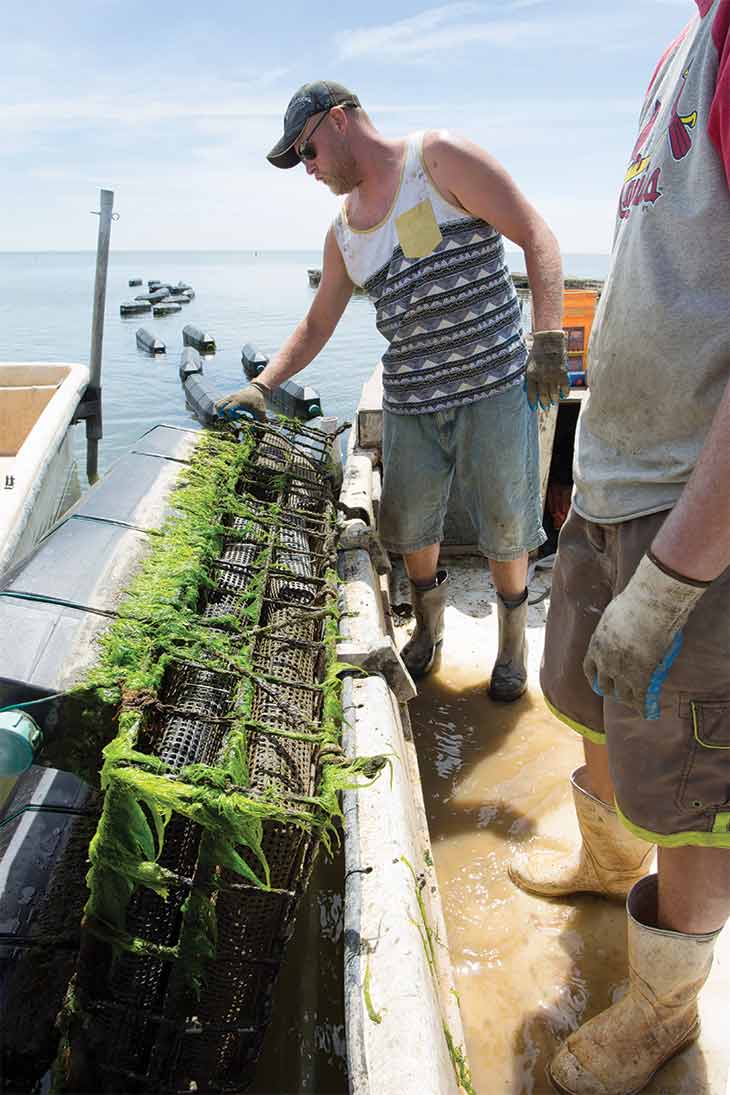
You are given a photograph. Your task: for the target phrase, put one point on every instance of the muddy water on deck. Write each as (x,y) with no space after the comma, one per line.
(495,780)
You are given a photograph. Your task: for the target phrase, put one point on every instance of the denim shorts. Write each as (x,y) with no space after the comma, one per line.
(491,447)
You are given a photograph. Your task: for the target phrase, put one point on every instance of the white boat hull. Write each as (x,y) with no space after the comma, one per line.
(38,404)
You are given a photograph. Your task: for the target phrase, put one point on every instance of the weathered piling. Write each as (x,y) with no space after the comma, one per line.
(92,397)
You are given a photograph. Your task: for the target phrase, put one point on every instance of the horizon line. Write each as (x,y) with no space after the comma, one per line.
(225,251)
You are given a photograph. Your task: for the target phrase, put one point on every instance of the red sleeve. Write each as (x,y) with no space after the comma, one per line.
(719,122)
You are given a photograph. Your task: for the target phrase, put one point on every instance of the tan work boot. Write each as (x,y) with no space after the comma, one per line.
(609,861)
(618,1052)
(509,676)
(420,651)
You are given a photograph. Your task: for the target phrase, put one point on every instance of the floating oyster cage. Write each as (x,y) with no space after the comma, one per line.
(213,803)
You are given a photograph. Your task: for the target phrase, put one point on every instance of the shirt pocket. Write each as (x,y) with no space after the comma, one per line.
(418,231)
(706,777)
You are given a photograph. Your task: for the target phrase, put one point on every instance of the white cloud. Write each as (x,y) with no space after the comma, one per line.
(131,109)
(443,29)
(416,34)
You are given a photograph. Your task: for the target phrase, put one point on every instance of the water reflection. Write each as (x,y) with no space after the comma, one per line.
(304,1050)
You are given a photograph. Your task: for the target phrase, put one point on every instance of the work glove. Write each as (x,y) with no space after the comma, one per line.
(546,379)
(251,400)
(640,635)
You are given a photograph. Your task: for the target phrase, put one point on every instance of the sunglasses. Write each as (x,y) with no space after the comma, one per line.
(306,150)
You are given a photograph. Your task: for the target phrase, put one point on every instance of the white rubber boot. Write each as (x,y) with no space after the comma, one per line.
(420,651)
(618,1052)
(608,862)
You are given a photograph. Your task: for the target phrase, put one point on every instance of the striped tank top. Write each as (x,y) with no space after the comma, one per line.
(443,295)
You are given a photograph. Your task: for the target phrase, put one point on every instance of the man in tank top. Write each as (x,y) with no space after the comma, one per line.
(420,231)
(641,587)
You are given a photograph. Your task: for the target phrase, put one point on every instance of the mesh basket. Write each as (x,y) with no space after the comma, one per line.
(145,1028)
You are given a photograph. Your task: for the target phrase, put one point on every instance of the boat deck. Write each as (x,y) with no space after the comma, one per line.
(495,779)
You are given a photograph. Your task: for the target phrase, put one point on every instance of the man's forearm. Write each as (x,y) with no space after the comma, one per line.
(695,538)
(299,349)
(545,275)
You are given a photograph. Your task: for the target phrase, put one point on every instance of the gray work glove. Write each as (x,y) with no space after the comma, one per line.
(547,380)
(251,400)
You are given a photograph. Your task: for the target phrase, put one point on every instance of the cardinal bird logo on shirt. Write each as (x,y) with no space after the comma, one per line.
(641,183)
(641,187)
(680,125)
(638,161)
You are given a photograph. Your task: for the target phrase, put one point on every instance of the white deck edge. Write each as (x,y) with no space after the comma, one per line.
(397,1006)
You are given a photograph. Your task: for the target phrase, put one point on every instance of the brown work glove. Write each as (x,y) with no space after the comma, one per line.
(546,380)
(251,400)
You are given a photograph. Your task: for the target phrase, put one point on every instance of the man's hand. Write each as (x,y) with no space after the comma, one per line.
(547,380)
(640,635)
(249,400)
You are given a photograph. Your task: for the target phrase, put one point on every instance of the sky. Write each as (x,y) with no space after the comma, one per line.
(174,106)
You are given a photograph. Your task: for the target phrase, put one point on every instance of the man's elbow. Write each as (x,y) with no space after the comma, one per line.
(539,239)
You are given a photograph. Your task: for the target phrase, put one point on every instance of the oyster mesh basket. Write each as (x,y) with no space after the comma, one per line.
(138,1020)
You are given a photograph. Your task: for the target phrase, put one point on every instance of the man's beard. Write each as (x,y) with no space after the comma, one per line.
(338,185)
(343,178)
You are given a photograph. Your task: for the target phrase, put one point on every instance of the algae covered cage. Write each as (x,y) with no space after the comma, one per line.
(222,777)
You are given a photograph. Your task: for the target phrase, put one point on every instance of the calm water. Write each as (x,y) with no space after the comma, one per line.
(45,314)
(259,297)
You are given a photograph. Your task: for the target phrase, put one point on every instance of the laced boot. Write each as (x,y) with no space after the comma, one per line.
(509,676)
(618,1051)
(609,861)
(420,651)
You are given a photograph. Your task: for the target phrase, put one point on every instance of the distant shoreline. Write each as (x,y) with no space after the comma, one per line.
(236,251)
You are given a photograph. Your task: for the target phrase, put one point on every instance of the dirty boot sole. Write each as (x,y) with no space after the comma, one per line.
(424,668)
(691,1037)
(506,691)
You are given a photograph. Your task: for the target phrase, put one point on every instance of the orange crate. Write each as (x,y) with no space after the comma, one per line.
(579,308)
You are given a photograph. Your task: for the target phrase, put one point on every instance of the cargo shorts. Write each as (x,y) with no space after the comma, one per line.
(492,447)
(671,775)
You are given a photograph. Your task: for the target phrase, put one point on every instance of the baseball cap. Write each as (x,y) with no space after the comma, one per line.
(310,99)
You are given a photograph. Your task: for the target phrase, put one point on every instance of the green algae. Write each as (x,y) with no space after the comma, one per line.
(375,1016)
(159,626)
(461,1068)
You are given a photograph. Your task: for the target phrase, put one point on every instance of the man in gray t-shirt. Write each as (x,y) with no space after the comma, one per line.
(641,589)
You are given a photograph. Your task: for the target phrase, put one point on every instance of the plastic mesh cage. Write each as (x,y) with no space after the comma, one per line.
(38,958)
(145,1027)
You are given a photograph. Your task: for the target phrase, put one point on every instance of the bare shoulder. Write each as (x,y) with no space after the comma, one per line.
(453,161)
(442,148)
(334,271)
(332,256)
